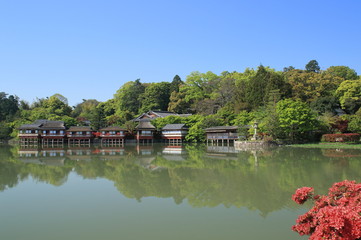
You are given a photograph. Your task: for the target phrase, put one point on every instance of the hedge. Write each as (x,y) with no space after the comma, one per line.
(342,137)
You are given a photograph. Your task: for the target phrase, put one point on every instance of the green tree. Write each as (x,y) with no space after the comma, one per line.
(260,86)
(155,97)
(127,98)
(349,94)
(312,66)
(308,86)
(175,84)
(295,118)
(9,106)
(343,72)
(178,103)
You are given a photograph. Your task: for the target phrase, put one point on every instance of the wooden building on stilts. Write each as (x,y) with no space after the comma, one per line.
(42,131)
(112,136)
(221,134)
(52,133)
(145,132)
(29,134)
(174,133)
(80,135)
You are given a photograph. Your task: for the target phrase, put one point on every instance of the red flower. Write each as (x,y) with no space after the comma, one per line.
(302,194)
(333,216)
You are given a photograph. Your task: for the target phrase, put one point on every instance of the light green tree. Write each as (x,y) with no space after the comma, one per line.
(295,118)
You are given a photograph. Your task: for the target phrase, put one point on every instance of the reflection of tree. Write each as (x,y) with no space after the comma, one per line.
(259,180)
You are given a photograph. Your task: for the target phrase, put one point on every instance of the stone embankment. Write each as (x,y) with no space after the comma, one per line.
(254,145)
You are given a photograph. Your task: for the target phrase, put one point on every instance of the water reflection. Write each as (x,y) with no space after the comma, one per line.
(201,175)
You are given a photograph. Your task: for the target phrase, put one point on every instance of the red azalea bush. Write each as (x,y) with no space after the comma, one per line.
(344,137)
(333,216)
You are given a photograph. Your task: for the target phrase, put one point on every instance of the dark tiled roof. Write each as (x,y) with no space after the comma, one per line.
(53,125)
(112,128)
(163,113)
(174,127)
(80,129)
(44,124)
(145,125)
(221,129)
(30,126)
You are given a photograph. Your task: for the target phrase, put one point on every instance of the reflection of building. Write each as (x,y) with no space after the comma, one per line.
(222,134)
(174,153)
(50,157)
(80,135)
(174,133)
(79,154)
(222,152)
(110,153)
(145,132)
(112,135)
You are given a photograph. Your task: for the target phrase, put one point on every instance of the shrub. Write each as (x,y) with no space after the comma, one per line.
(344,137)
(333,216)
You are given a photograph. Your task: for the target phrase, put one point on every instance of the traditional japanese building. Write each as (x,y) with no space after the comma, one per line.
(174,133)
(112,135)
(145,132)
(44,131)
(52,132)
(80,135)
(29,134)
(222,134)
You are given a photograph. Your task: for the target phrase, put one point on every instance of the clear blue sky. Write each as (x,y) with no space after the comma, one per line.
(86,49)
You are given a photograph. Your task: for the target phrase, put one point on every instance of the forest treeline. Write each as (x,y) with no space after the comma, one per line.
(297,104)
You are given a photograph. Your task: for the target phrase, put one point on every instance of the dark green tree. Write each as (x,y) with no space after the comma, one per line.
(175,84)
(312,66)
(9,106)
(155,97)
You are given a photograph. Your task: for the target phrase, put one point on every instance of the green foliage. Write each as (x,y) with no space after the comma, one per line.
(84,110)
(5,130)
(295,118)
(354,124)
(127,98)
(175,84)
(312,66)
(155,97)
(9,106)
(326,104)
(309,86)
(343,72)
(242,118)
(159,123)
(349,94)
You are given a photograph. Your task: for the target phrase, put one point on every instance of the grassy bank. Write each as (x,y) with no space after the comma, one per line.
(329,145)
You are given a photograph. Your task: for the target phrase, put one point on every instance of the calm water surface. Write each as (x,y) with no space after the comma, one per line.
(161,192)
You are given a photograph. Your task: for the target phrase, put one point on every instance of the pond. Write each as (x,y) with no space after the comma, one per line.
(161,192)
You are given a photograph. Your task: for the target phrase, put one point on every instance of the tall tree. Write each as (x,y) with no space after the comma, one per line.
(312,66)
(127,98)
(175,84)
(295,118)
(8,106)
(155,97)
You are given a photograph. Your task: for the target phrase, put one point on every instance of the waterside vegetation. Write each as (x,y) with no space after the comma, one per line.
(297,105)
